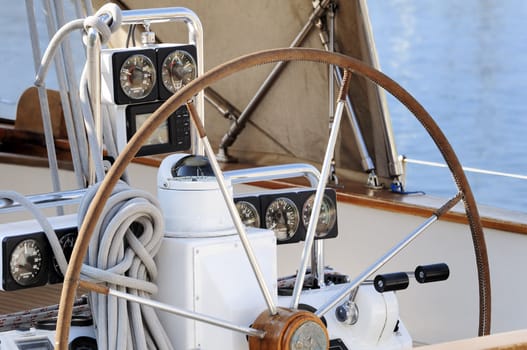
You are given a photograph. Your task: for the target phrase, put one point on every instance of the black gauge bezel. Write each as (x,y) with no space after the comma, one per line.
(267,200)
(162,54)
(8,246)
(331,195)
(255,203)
(299,197)
(55,275)
(118,59)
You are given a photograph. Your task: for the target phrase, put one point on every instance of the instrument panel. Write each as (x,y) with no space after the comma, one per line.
(27,262)
(287,213)
(27,259)
(136,81)
(150,74)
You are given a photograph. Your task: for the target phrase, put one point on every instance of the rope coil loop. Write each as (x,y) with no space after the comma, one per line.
(104,27)
(127,237)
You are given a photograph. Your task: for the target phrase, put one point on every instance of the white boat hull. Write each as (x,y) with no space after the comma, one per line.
(434,312)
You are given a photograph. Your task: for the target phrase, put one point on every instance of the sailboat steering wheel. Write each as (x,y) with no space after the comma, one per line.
(278,324)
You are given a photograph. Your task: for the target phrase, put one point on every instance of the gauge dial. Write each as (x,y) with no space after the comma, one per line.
(137,76)
(178,69)
(26,262)
(67,242)
(326,218)
(248,214)
(282,217)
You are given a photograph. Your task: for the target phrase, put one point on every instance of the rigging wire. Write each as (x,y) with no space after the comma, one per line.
(467,169)
(61,64)
(105,31)
(44,104)
(94,146)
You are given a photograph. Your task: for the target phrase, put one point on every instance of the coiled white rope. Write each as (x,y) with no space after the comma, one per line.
(121,254)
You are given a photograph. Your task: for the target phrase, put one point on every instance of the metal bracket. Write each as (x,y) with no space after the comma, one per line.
(373,181)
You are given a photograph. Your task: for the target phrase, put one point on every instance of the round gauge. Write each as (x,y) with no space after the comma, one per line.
(178,69)
(248,214)
(67,242)
(137,76)
(25,263)
(282,217)
(327,217)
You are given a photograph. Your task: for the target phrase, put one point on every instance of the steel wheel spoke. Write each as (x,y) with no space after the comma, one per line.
(387,256)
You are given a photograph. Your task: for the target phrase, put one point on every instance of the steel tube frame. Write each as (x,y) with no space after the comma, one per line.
(195,37)
(366,161)
(327,38)
(44,200)
(274,172)
(43,100)
(65,75)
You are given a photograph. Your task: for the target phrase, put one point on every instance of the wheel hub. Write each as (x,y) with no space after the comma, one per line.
(290,330)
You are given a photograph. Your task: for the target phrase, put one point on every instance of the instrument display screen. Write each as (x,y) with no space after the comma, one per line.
(159,136)
(172,135)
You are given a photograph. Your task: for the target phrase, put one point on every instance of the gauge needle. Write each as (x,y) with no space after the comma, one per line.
(22,263)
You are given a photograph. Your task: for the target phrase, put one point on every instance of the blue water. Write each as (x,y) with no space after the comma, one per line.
(466,62)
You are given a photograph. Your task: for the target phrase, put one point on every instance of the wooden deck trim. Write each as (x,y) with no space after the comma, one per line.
(353,193)
(423,210)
